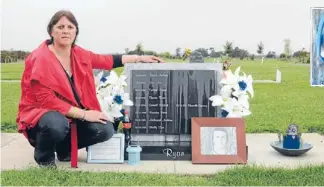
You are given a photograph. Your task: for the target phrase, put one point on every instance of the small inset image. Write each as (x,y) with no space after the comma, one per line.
(317,48)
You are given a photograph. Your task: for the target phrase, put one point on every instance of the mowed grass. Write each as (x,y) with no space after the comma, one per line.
(273,107)
(12,71)
(237,176)
(10,95)
(292,101)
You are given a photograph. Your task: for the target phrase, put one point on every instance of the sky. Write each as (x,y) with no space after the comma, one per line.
(110,26)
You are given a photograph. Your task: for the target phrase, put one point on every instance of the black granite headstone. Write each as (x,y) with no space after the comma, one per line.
(196,57)
(165,98)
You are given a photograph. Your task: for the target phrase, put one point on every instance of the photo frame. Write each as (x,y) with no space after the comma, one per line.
(218,140)
(317,46)
(108,152)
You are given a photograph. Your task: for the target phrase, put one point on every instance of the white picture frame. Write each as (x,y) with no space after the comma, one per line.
(108,152)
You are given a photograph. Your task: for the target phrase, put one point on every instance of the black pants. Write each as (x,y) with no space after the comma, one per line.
(52,133)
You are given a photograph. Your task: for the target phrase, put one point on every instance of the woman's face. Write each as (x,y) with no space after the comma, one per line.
(64,32)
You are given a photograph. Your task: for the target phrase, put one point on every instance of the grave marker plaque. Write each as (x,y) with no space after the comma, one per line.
(165,98)
(196,57)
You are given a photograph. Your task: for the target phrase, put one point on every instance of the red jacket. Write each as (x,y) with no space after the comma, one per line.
(45,86)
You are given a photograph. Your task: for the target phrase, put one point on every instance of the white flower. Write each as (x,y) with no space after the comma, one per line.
(111,109)
(98,80)
(114,80)
(230,78)
(233,98)
(244,84)
(235,109)
(126,99)
(243,100)
(111,94)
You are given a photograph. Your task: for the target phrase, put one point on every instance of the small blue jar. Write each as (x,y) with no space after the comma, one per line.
(134,154)
(291,142)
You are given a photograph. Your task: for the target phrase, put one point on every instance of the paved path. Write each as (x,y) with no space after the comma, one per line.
(16,153)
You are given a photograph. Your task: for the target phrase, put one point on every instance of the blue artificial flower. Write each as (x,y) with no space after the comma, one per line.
(242,85)
(103,79)
(224,113)
(118,99)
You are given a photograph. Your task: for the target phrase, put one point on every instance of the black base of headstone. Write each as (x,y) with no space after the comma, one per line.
(164,153)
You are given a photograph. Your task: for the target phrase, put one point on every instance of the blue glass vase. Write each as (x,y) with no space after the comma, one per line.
(291,142)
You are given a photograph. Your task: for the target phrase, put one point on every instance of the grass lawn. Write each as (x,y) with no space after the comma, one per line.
(273,106)
(243,176)
(10,95)
(272,109)
(12,71)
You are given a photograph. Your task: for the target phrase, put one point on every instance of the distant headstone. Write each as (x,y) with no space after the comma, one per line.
(278,76)
(196,57)
(165,98)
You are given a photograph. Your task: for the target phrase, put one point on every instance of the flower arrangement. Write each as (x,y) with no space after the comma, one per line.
(111,95)
(234,97)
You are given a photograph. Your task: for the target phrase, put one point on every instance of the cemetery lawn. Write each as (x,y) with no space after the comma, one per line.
(12,71)
(241,176)
(273,107)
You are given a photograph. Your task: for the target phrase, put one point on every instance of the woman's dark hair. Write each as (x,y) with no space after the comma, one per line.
(57,16)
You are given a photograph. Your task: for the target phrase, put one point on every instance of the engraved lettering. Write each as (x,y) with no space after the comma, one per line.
(163,75)
(170,153)
(140,119)
(140,97)
(140,127)
(140,112)
(156,120)
(153,75)
(139,82)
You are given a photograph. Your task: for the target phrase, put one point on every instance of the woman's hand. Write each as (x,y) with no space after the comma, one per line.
(150,59)
(95,116)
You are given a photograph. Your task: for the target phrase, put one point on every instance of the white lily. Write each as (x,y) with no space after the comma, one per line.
(243,100)
(111,95)
(235,108)
(98,82)
(230,78)
(111,109)
(225,94)
(244,84)
(233,98)
(126,99)
(114,80)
